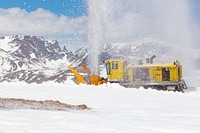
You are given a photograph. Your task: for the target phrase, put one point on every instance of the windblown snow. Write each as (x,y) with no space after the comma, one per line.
(113,109)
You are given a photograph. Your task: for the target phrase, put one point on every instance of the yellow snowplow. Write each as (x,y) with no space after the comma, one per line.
(159,76)
(88,79)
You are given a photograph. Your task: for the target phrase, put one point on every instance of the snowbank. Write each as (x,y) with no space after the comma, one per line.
(113,109)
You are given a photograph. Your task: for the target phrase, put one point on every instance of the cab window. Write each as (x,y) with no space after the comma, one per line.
(108,68)
(114,65)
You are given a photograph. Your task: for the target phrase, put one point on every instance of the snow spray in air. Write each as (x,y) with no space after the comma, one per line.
(97,12)
(94,35)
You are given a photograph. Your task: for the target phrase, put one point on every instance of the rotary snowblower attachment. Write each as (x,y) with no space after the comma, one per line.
(88,79)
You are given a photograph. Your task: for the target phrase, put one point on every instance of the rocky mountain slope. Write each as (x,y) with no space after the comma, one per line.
(31,58)
(27,52)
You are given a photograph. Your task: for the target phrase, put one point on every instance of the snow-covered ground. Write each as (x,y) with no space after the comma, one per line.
(114,109)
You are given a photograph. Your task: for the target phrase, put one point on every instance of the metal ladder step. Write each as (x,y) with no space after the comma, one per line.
(184,84)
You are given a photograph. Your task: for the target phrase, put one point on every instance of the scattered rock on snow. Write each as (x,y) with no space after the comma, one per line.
(14,103)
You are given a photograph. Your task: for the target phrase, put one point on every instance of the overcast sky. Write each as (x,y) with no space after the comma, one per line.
(66,20)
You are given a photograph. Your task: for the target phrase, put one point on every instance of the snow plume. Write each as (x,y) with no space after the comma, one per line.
(101,24)
(42,23)
(96,17)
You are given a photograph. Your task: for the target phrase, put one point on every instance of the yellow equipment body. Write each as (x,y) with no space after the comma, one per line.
(161,76)
(155,72)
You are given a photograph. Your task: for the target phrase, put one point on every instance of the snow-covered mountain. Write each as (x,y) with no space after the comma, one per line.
(31,58)
(34,59)
(17,52)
